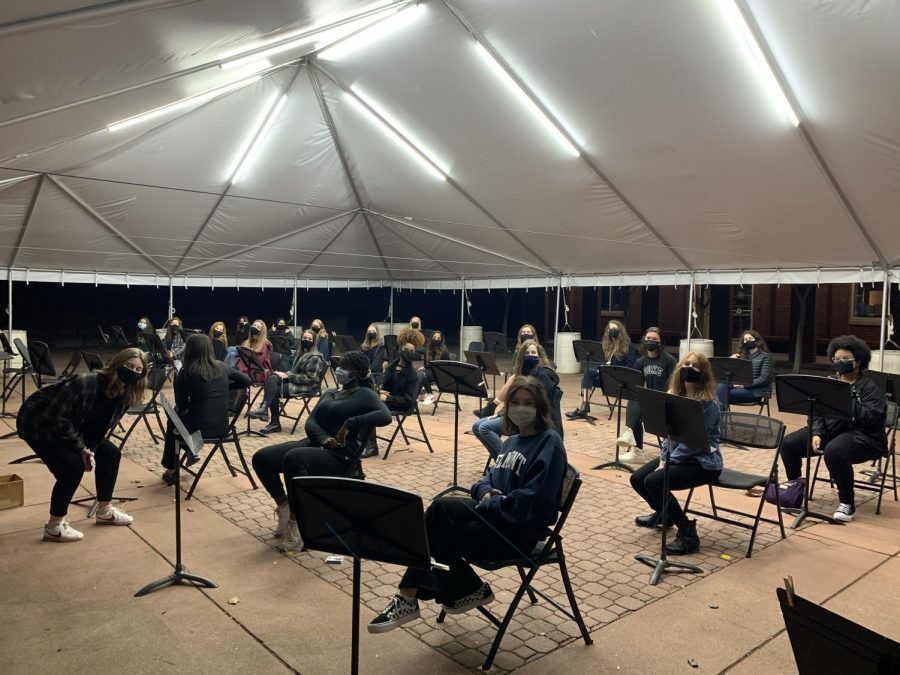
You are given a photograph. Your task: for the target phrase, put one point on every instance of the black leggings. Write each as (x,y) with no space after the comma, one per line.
(295,458)
(634,422)
(455,531)
(67,466)
(840,454)
(273,390)
(648,483)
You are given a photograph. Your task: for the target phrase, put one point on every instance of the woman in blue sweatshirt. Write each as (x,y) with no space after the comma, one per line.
(689,467)
(510,510)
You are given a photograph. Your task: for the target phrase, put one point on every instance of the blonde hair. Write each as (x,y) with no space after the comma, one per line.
(323,332)
(615,348)
(224,338)
(260,341)
(369,344)
(705,390)
(131,395)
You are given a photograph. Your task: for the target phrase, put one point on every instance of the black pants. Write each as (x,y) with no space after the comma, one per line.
(634,422)
(840,454)
(455,532)
(67,466)
(295,458)
(648,483)
(426,379)
(591,378)
(273,389)
(171,440)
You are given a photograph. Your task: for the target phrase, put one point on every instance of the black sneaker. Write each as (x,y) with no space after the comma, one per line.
(844,512)
(482,596)
(371,450)
(654,520)
(398,612)
(271,428)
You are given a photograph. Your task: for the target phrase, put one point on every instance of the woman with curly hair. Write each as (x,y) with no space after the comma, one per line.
(844,443)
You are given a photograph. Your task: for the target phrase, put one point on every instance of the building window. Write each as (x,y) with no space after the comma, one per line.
(865,304)
(614,300)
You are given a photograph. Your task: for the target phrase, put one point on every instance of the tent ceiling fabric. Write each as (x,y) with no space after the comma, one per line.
(686,164)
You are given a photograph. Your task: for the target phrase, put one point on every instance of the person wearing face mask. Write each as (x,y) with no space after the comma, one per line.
(399,387)
(689,467)
(533,362)
(509,510)
(619,351)
(201,397)
(435,351)
(336,431)
(844,443)
(304,379)
(144,328)
(283,344)
(657,365)
(526,332)
(174,341)
(219,338)
(753,347)
(261,347)
(323,340)
(241,331)
(67,424)
(373,348)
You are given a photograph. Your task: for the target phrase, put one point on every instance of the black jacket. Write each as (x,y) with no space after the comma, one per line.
(550,381)
(204,403)
(402,385)
(869,411)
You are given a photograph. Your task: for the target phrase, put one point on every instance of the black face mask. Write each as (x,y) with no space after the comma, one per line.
(844,367)
(127,375)
(306,344)
(613,333)
(371,335)
(750,345)
(415,325)
(242,322)
(254,331)
(218,333)
(530,362)
(438,342)
(408,356)
(525,336)
(316,328)
(651,345)
(280,327)
(688,374)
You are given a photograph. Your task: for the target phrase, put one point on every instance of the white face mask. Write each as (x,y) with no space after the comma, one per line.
(522,415)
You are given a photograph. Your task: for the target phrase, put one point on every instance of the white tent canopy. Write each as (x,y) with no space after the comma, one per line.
(573,143)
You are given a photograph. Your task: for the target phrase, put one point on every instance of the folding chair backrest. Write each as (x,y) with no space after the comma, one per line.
(747,429)
(891,416)
(41,360)
(104,337)
(23,352)
(6,346)
(476,346)
(156,379)
(72,365)
(119,334)
(92,360)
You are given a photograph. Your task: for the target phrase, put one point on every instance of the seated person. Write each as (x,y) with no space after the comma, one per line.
(373,348)
(241,331)
(336,431)
(510,510)
(283,344)
(535,364)
(435,351)
(323,339)
(526,332)
(844,442)
(619,351)
(261,347)
(144,328)
(753,347)
(399,388)
(219,338)
(305,379)
(174,341)
(201,397)
(689,467)
(657,365)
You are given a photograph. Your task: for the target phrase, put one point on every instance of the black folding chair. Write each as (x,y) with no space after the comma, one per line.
(92,360)
(156,380)
(230,436)
(549,552)
(400,418)
(43,369)
(760,403)
(877,476)
(247,357)
(305,399)
(71,366)
(119,335)
(747,431)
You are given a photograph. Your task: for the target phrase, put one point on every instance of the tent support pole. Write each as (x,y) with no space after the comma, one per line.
(462,316)
(295,306)
(556,323)
(171,295)
(391,308)
(9,302)
(690,324)
(885,301)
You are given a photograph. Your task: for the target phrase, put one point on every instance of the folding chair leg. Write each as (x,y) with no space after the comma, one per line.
(228,463)
(128,433)
(403,431)
(712,501)
(531,595)
(424,433)
(149,429)
(240,454)
(573,603)
(304,409)
(390,444)
(504,624)
(201,470)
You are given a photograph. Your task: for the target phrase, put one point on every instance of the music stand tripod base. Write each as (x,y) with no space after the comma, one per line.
(615,464)
(804,513)
(179,576)
(662,565)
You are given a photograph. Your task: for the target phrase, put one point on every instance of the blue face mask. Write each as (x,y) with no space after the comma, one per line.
(142,325)
(342,376)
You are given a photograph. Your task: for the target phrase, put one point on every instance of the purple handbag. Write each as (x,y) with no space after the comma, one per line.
(790,494)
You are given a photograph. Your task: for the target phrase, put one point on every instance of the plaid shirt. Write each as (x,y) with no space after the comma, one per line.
(55,414)
(305,377)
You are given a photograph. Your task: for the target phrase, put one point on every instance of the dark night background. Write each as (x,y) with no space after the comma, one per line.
(68,316)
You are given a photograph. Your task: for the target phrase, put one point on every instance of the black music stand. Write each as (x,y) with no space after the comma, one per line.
(487,364)
(364,520)
(587,352)
(253,365)
(813,396)
(390,347)
(889,382)
(731,371)
(158,350)
(622,383)
(192,443)
(459,379)
(494,342)
(680,420)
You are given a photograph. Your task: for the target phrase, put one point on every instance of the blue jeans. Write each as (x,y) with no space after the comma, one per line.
(733,395)
(231,357)
(488,431)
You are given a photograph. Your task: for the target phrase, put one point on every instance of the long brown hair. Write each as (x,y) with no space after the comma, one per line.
(261,339)
(760,340)
(131,395)
(224,338)
(519,334)
(542,418)
(652,329)
(198,359)
(704,390)
(520,357)
(618,347)
(371,344)
(434,352)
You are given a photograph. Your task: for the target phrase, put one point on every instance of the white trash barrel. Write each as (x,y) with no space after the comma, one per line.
(470,334)
(384,328)
(16,361)
(564,353)
(397,327)
(701,345)
(891,361)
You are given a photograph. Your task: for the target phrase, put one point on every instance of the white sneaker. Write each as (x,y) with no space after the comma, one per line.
(844,512)
(114,517)
(626,439)
(292,541)
(282,516)
(62,532)
(633,455)
(428,400)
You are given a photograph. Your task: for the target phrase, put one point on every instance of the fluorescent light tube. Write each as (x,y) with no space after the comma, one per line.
(255,139)
(197,99)
(754,54)
(526,101)
(377,32)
